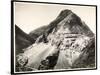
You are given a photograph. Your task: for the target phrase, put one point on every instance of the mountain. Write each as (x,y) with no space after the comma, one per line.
(66,43)
(73,23)
(22,40)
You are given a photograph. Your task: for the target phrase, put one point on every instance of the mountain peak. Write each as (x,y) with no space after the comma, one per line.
(65,12)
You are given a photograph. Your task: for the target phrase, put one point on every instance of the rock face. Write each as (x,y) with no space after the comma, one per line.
(66,43)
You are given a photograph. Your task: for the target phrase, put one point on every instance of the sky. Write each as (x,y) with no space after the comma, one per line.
(29,16)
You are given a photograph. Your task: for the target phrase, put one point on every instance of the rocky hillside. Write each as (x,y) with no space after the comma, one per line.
(66,43)
(22,40)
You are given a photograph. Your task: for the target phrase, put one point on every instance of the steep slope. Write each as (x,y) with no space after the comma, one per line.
(22,40)
(45,30)
(64,44)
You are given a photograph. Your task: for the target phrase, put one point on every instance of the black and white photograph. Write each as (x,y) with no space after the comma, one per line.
(53,37)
